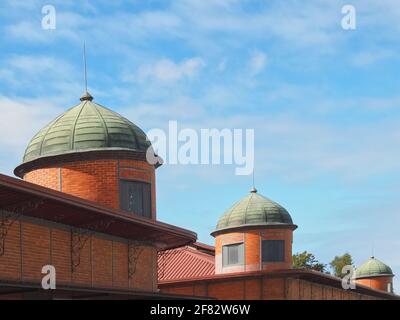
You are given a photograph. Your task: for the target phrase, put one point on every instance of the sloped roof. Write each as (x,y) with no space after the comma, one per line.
(184,263)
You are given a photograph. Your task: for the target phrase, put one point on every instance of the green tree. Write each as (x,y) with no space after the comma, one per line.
(339,262)
(308,261)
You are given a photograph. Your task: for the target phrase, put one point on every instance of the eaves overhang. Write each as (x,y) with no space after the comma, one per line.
(253,226)
(27,199)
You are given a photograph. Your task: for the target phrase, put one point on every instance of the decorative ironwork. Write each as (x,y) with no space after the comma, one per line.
(134,252)
(6,221)
(12,213)
(79,237)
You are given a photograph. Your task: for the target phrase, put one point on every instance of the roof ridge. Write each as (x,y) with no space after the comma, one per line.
(103,122)
(247,206)
(72,138)
(233,208)
(51,125)
(203,256)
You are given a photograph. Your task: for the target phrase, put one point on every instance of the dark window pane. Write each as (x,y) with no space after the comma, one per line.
(146,200)
(273,250)
(135,197)
(233,254)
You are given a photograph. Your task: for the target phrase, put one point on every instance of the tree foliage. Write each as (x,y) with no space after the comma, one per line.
(308,261)
(339,262)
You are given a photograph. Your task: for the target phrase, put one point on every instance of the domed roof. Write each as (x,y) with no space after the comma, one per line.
(373,268)
(86,127)
(254,210)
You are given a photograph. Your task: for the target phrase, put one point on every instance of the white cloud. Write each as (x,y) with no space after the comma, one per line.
(258,61)
(20,120)
(27,31)
(38,64)
(68,26)
(291,147)
(367,58)
(40,76)
(181,108)
(222,65)
(166,70)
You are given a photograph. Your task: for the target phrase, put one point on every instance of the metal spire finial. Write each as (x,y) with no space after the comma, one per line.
(86,95)
(84,63)
(373,249)
(253,189)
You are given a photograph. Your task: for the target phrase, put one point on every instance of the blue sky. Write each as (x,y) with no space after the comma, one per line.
(324,103)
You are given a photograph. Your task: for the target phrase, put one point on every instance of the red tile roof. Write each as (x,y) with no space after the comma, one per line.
(183,263)
(204,247)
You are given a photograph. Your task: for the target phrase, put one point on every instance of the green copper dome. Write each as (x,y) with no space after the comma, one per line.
(86,127)
(254,210)
(373,268)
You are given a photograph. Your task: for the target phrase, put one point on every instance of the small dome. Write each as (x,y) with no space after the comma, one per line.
(255,210)
(373,268)
(86,127)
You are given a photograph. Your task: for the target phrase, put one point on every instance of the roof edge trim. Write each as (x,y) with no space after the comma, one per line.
(255,226)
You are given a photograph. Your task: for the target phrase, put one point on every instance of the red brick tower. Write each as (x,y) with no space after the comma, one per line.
(375,274)
(254,234)
(93,153)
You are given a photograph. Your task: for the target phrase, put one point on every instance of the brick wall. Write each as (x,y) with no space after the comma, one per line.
(95,180)
(30,244)
(263,288)
(380,283)
(222,240)
(252,249)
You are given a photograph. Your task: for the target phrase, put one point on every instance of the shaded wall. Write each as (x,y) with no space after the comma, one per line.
(379,283)
(101,262)
(262,288)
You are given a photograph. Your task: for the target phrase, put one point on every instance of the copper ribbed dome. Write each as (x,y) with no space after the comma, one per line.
(254,210)
(87,126)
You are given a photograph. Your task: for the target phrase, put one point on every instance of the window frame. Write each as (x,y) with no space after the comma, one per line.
(150,204)
(241,254)
(283,250)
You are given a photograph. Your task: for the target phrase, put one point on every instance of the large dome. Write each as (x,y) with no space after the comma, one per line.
(373,268)
(254,210)
(86,127)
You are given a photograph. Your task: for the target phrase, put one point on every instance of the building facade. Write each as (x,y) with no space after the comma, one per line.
(254,234)
(375,274)
(86,205)
(84,212)
(252,259)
